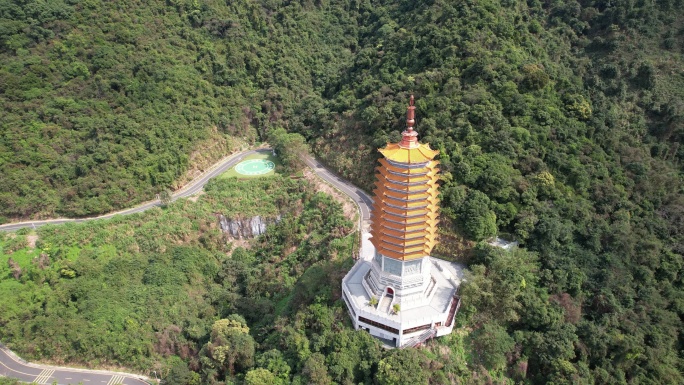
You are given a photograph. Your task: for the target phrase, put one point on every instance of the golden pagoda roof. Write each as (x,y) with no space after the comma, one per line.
(409,150)
(394,194)
(408,229)
(422,153)
(403,256)
(430,193)
(404,234)
(415,227)
(382,188)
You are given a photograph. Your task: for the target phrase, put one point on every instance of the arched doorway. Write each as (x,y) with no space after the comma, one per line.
(390,292)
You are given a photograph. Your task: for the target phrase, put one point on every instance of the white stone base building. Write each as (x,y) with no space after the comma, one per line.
(425,289)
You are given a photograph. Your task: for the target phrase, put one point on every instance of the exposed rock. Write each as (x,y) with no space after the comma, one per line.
(241,228)
(503,243)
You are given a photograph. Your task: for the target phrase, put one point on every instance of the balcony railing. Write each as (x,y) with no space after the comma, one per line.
(455,305)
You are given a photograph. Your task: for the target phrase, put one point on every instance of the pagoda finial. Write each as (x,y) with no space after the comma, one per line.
(409,138)
(411,115)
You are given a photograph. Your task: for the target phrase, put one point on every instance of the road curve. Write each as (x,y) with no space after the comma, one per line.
(188,190)
(363,200)
(13,366)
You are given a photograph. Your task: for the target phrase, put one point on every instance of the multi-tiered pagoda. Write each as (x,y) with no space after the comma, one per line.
(398,292)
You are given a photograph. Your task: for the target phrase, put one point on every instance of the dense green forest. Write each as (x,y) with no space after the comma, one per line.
(559,123)
(148,290)
(105,104)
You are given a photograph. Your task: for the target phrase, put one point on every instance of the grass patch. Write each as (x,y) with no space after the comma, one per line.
(232,173)
(73,252)
(283,305)
(23,256)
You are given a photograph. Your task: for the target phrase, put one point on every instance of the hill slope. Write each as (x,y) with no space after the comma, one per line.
(559,123)
(105,104)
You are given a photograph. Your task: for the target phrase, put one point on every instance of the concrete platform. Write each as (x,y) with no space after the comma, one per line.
(405,325)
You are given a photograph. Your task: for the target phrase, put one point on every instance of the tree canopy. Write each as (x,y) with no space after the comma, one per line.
(559,125)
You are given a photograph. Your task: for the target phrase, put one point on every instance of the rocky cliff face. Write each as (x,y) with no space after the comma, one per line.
(241,228)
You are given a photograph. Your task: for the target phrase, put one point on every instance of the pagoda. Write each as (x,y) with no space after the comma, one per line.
(397,291)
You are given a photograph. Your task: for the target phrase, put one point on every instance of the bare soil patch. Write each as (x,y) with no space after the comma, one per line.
(348,207)
(206,154)
(31,241)
(235,243)
(195,197)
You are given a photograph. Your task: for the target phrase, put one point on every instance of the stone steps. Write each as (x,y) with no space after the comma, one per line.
(385,304)
(415,341)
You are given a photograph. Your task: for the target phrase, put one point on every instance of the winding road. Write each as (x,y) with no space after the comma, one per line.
(191,188)
(363,200)
(13,366)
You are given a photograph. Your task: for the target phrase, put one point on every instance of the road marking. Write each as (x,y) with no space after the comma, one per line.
(44,376)
(116,380)
(16,371)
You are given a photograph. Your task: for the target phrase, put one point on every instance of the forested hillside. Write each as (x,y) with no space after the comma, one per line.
(559,123)
(146,291)
(105,104)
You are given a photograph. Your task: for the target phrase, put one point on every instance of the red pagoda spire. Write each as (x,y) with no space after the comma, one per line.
(409,138)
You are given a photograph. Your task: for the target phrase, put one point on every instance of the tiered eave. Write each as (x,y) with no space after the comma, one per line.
(404,217)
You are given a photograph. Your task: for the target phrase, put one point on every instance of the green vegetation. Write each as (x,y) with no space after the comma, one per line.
(290,148)
(558,122)
(143,290)
(106,104)
(373,301)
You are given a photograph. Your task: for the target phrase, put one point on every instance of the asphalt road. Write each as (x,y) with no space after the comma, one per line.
(363,200)
(190,189)
(12,366)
